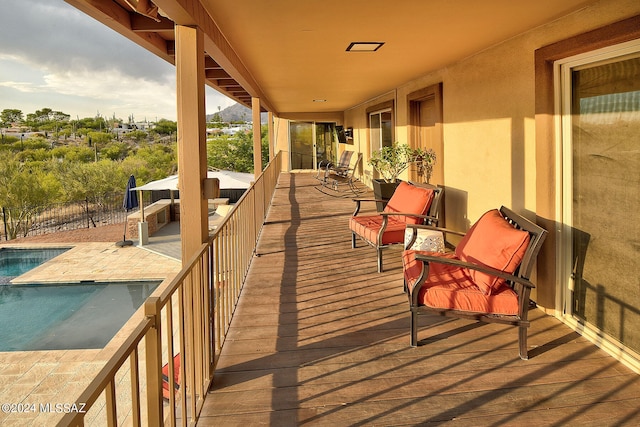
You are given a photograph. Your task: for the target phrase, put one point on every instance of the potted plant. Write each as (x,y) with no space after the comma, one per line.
(424,160)
(389,162)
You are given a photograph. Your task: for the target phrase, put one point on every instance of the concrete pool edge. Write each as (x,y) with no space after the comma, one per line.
(100,262)
(50,376)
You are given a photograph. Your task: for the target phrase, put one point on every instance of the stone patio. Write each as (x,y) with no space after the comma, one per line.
(50,377)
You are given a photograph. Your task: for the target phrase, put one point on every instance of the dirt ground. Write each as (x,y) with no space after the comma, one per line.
(104,233)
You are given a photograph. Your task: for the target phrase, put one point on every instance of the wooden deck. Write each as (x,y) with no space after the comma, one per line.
(320,338)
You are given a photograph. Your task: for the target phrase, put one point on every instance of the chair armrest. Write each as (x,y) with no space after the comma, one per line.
(429,217)
(471,266)
(359,200)
(325,164)
(433,227)
(406,214)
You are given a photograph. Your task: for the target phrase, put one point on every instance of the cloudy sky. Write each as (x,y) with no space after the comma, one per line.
(54,56)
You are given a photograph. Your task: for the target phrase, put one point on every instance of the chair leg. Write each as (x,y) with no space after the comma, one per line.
(353,240)
(414,328)
(379,260)
(522,339)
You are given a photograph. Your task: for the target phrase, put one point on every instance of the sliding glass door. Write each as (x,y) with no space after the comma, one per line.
(312,142)
(600,100)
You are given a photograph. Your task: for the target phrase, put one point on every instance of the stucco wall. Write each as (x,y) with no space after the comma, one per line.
(489,136)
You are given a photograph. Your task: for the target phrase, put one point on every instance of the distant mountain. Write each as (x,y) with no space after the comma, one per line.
(237,113)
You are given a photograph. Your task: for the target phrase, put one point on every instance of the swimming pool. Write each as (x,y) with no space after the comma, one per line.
(67,316)
(17,261)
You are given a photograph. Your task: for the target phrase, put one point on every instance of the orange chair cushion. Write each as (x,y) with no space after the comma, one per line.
(410,199)
(368,227)
(492,242)
(176,377)
(451,287)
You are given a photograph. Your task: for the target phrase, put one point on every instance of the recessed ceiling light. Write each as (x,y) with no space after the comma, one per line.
(364,46)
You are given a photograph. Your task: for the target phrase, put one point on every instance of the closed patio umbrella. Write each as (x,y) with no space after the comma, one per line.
(130,202)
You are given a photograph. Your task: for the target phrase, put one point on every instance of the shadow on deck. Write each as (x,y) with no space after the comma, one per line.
(320,338)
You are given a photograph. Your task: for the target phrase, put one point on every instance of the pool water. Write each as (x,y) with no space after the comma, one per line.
(14,262)
(67,316)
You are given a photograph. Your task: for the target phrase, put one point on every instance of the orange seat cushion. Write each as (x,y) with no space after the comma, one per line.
(492,242)
(451,287)
(368,227)
(176,376)
(410,199)
(406,199)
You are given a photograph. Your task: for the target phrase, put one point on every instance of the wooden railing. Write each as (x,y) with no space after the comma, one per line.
(188,321)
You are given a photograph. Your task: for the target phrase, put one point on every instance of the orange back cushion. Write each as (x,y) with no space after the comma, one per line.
(410,199)
(493,242)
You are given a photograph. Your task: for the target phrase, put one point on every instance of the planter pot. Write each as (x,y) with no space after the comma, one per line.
(383,191)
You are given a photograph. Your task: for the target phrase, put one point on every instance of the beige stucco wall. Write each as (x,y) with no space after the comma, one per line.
(489,117)
(489,156)
(489,136)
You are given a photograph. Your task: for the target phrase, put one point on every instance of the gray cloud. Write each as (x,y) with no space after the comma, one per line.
(57,56)
(55,35)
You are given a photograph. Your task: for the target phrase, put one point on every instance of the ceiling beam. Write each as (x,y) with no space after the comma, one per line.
(140,23)
(191,12)
(118,19)
(216,74)
(210,64)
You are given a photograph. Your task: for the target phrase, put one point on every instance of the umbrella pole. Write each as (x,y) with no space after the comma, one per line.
(127,204)
(124,232)
(124,241)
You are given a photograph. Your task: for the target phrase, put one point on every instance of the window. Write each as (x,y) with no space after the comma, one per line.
(380,129)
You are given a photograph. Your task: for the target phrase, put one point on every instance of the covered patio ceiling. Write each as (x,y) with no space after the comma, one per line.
(293,54)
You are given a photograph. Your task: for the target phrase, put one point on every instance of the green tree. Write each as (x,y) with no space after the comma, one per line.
(25,190)
(8,141)
(100,138)
(115,151)
(46,119)
(165,127)
(137,135)
(73,154)
(158,160)
(92,123)
(9,116)
(235,152)
(91,181)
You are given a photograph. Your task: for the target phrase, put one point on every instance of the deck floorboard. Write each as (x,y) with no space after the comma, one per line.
(320,338)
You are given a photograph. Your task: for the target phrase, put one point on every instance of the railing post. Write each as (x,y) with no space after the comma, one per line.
(153,356)
(211,312)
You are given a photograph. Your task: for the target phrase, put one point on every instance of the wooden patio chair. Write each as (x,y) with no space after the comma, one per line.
(485,279)
(410,204)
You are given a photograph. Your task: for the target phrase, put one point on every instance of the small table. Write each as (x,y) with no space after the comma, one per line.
(426,240)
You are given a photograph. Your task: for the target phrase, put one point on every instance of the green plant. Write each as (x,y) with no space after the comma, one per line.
(391,161)
(424,160)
